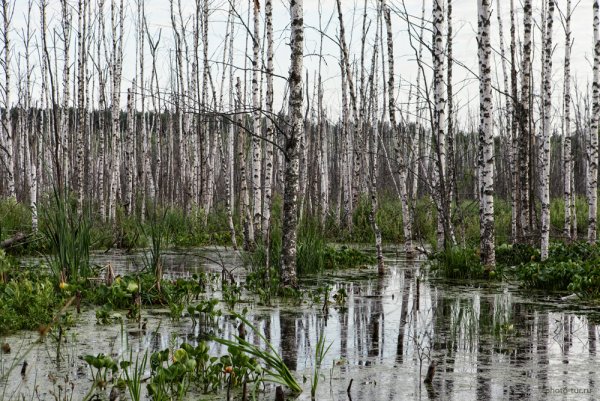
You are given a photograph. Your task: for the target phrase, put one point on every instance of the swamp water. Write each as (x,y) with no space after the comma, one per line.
(489,341)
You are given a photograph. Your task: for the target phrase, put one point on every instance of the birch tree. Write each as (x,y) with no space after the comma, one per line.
(256,113)
(117,27)
(270,129)
(439,125)
(296,127)
(486,140)
(81,110)
(524,124)
(592,149)
(545,142)
(400,158)
(567,132)
(7,142)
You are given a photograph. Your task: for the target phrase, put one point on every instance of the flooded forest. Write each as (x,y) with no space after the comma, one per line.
(299,200)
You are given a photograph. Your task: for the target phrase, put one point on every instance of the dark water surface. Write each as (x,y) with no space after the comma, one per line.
(489,341)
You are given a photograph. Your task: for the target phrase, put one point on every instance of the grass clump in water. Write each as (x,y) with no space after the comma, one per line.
(67,234)
(458,263)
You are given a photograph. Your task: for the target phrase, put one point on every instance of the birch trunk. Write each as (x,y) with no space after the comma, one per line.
(514,102)
(100,169)
(270,129)
(450,169)
(64,120)
(545,142)
(229,175)
(567,133)
(592,178)
(290,200)
(373,139)
(356,135)
(256,129)
(246,214)
(486,140)
(439,125)
(129,159)
(524,124)
(400,158)
(81,128)
(7,141)
(116,60)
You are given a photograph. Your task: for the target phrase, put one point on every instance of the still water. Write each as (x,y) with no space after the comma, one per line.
(488,341)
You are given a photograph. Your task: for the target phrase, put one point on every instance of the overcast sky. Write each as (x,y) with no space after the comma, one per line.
(465,42)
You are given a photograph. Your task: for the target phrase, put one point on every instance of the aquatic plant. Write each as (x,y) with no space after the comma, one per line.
(134,378)
(275,371)
(157,230)
(27,300)
(67,234)
(103,364)
(586,281)
(170,381)
(457,263)
(320,352)
(516,254)
(548,275)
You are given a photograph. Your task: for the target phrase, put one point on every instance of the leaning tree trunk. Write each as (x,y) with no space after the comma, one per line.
(356,134)
(290,199)
(401,159)
(486,139)
(592,150)
(545,142)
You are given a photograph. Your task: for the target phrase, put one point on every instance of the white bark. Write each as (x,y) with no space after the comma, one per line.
(256,128)
(400,158)
(246,214)
(81,79)
(567,132)
(290,201)
(439,116)
(116,70)
(486,140)
(592,178)
(7,138)
(545,142)
(270,129)
(524,122)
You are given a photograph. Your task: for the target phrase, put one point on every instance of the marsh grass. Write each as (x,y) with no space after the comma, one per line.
(457,263)
(157,230)
(134,378)
(320,352)
(67,235)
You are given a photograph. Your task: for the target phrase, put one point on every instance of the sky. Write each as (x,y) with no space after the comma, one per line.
(464,42)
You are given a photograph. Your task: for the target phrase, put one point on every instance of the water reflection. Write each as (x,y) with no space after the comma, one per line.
(489,342)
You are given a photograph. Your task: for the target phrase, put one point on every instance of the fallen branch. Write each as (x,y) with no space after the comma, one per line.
(15,240)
